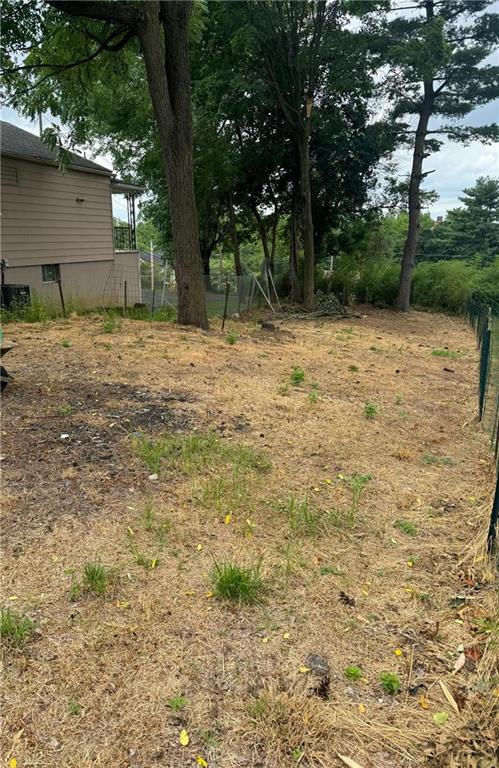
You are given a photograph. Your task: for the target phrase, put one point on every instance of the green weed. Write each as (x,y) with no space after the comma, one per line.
(390,682)
(303,518)
(353,368)
(65,343)
(110,324)
(15,628)
(313,397)
(406,527)
(370,410)
(240,584)
(148,516)
(297,376)
(74,707)
(326,570)
(177,703)
(353,673)
(431,459)
(64,410)
(231,337)
(148,563)
(357,483)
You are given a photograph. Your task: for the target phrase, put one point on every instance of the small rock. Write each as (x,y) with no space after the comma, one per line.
(64,436)
(154,476)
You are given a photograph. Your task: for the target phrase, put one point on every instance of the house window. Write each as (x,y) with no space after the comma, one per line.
(10,175)
(50,273)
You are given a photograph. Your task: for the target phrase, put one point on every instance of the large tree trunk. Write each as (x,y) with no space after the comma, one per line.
(168,76)
(307,221)
(411,243)
(293,258)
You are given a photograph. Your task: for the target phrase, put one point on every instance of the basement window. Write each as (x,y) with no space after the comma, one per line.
(50,273)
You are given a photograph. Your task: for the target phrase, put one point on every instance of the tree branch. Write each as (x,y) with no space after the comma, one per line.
(101,10)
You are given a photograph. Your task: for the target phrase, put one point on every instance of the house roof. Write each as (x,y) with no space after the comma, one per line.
(16,142)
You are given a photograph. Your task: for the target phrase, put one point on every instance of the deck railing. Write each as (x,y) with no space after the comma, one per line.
(124,238)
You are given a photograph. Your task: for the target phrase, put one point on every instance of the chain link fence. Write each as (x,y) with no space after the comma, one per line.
(484,317)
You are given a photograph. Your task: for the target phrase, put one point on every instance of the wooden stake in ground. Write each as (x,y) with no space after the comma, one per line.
(227,289)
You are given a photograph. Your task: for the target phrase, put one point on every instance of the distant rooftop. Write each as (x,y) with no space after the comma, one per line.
(16,142)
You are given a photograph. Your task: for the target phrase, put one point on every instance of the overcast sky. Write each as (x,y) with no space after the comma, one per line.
(455,166)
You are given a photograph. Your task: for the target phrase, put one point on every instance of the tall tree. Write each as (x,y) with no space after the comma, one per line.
(292,37)
(162,30)
(438,70)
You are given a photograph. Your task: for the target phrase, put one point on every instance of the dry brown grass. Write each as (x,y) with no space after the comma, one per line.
(159,633)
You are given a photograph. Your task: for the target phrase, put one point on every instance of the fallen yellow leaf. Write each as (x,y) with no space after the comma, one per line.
(304,669)
(398,652)
(362,708)
(200,547)
(227,519)
(210,594)
(423,702)
(12,762)
(201,761)
(184,737)
(286,636)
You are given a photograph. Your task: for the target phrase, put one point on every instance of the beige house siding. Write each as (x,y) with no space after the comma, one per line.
(85,285)
(50,217)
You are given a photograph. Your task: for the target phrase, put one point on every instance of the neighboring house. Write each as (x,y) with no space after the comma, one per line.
(57,227)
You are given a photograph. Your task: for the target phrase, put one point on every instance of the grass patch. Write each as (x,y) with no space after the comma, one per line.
(237,583)
(406,527)
(353,368)
(225,494)
(390,682)
(15,628)
(192,453)
(297,376)
(431,459)
(453,354)
(96,580)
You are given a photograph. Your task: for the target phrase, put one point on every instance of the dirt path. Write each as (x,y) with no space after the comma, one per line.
(377,585)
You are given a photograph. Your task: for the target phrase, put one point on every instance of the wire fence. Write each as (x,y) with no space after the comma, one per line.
(484,317)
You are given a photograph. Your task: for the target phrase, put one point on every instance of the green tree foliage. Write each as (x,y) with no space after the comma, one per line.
(438,70)
(470,232)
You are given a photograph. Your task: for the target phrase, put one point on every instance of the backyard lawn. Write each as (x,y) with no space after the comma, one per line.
(253,548)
